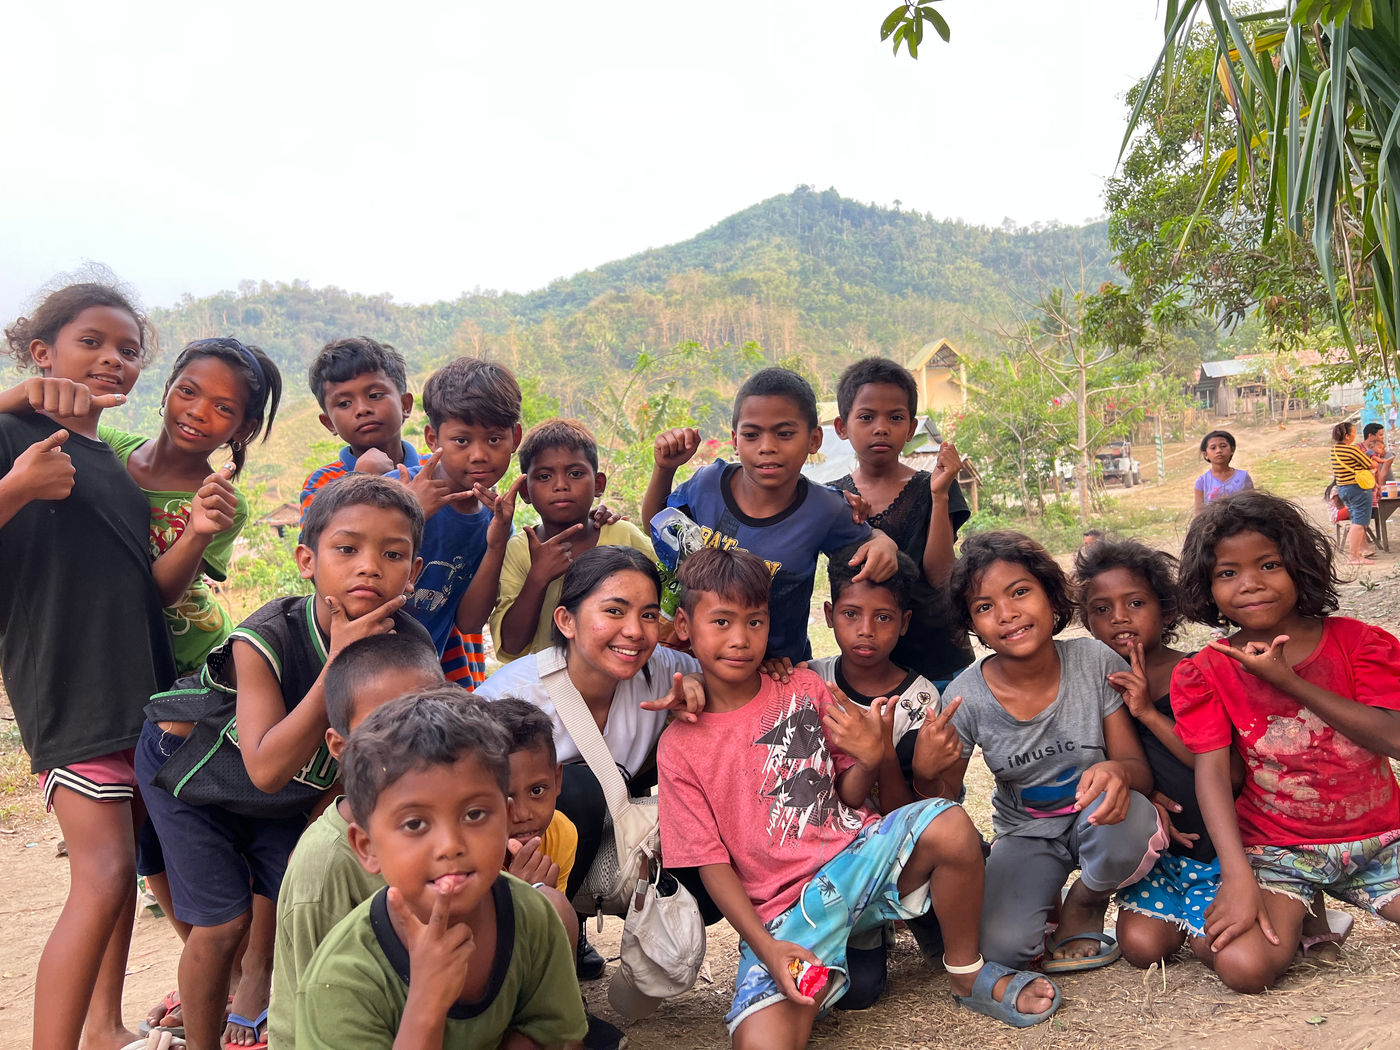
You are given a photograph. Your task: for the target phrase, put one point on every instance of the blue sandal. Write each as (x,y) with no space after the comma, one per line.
(252,1025)
(1109,953)
(982,1000)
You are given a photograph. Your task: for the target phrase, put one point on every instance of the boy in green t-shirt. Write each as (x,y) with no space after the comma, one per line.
(426,777)
(324,880)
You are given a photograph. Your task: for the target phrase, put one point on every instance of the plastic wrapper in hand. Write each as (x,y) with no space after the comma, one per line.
(675,538)
(810,978)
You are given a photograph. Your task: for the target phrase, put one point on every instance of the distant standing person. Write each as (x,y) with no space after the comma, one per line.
(1347,460)
(1221,480)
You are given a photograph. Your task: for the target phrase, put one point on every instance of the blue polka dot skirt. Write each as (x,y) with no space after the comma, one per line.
(1177,890)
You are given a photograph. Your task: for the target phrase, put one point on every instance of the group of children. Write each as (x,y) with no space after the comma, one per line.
(1215,795)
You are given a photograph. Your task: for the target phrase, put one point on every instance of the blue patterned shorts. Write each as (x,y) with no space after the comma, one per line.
(1177,890)
(1365,873)
(851,893)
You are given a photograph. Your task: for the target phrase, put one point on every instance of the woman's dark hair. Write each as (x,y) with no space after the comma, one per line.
(1156,568)
(259,375)
(984,548)
(60,307)
(588,572)
(1307,555)
(1218,434)
(1341,430)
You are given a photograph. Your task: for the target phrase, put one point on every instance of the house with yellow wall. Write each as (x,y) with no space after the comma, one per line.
(941,376)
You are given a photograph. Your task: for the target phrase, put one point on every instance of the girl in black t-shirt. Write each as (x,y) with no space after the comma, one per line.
(1127,596)
(83,642)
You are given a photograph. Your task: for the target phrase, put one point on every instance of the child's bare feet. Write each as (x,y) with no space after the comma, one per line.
(1082,913)
(113,1039)
(167,1013)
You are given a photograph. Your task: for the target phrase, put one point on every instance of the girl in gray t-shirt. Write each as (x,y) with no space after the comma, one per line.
(1071,779)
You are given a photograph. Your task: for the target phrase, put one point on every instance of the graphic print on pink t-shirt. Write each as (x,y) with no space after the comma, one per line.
(799,773)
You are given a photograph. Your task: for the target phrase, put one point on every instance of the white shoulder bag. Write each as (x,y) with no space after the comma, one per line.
(625,857)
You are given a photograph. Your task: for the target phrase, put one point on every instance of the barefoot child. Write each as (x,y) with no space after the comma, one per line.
(759,794)
(1310,701)
(1071,779)
(73,528)
(1221,480)
(1127,597)
(324,880)
(453,952)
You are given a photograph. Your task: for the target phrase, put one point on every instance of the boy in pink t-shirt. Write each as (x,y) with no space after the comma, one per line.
(765,794)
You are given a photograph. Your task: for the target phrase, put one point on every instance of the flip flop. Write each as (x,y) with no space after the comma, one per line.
(254,1024)
(1339,925)
(169,1003)
(1109,954)
(982,1000)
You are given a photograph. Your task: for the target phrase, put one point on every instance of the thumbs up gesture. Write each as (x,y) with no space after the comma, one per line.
(213,506)
(44,470)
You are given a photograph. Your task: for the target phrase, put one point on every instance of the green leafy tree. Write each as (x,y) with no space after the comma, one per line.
(1313,101)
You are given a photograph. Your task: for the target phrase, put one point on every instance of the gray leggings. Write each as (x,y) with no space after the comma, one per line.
(1024,875)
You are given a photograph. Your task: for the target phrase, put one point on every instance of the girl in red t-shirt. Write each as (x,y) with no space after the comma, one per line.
(1312,703)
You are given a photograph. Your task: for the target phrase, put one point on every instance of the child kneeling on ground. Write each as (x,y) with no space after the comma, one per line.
(453,952)
(766,793)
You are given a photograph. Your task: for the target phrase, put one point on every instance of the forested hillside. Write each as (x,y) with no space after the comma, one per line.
(811,277)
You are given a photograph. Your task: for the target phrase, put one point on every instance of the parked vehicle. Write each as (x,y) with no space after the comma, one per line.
(1116,463)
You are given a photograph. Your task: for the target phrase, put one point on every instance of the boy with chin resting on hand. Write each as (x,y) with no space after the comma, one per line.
(766,794)
(453,953)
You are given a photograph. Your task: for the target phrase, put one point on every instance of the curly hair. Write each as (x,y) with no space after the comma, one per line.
(1306,553)
(1155,568)
(984,548)
(61,307)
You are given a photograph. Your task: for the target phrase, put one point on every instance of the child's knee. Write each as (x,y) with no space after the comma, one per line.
(951,837)
(1115,855)
(223,938)
(1248,972)
(565,910)
(1145,940)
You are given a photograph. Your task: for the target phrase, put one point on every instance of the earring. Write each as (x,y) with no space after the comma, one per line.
(236,445)
(161,411)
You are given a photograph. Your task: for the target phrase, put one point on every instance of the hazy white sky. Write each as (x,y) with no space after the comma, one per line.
(425,148)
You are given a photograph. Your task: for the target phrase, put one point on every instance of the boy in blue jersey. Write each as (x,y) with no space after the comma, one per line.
(473,409)
(764,505)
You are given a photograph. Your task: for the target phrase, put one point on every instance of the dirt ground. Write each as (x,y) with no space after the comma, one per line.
(1346,1005)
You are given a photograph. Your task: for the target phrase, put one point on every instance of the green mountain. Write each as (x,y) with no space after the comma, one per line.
(811,277)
